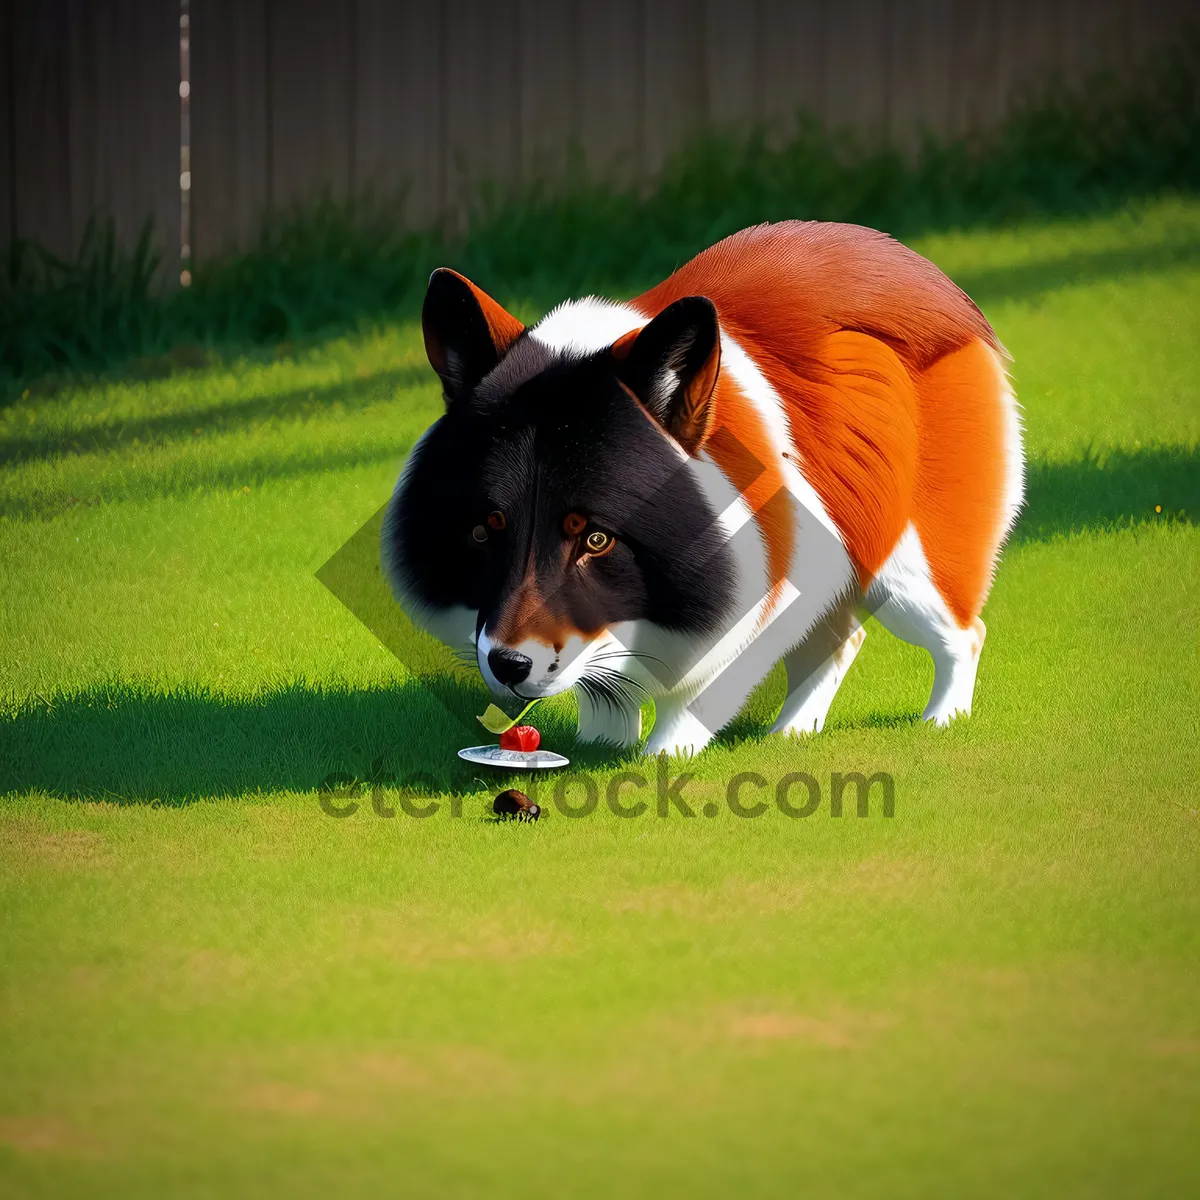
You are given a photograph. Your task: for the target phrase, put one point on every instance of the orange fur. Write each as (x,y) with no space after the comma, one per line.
(854,421)
(958,498)
(502,325)
(748,461)
(888,373)
(527,616)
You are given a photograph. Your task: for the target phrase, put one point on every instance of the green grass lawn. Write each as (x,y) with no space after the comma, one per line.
(209,986)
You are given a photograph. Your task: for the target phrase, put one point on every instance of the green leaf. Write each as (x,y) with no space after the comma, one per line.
(496,721)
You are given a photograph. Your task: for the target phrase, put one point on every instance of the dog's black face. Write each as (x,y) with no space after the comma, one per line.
(547,507)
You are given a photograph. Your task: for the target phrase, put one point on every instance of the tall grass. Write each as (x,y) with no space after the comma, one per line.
(330,266)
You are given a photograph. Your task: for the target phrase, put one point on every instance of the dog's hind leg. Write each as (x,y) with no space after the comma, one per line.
(906,602)
(955,654)
(955,664)
(815,670)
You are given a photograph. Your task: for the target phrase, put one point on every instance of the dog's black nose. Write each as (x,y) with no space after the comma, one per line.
(509,667)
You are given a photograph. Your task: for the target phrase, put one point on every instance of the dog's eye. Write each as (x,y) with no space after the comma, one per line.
(598,542)
(479,533)
(574,524)
(496,520)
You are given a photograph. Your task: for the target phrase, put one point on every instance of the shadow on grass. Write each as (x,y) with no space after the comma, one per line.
(130,745)
(126,745)
(183,424)
(1112,490)
(190,478)
(1027,281)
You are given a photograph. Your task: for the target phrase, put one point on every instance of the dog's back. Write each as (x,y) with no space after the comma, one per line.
(893,395)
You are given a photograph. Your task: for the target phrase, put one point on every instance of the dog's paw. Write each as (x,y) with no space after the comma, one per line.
(680,733)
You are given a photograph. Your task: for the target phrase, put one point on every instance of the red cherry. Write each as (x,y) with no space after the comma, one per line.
(520,737)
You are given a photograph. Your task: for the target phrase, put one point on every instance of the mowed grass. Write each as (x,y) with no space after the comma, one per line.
(208,985)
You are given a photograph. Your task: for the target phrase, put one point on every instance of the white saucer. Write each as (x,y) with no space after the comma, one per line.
(513,760)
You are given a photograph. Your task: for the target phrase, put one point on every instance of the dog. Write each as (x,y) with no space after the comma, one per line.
(662,498)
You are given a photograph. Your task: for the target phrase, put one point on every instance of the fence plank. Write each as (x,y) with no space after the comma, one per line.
(89,82)
(1157,21)
(677,102)
(922,54)
(310,47)
(1096,37)
(975,100)
(124,142)
(612,89)
(733,62)
(549,86)
(230,147)
(793,61)
(858,80)
(95,92)
(1084,44)
(8,173)
(483,99)
(400,104)
(41,158)
(1026,50)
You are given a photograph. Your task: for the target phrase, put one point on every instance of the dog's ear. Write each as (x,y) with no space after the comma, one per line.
(672,364)
(466,332)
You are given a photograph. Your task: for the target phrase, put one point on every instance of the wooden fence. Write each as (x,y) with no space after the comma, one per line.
(292,98)
(89,118)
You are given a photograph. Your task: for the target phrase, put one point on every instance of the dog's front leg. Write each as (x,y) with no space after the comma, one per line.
(676,729)
(613,721)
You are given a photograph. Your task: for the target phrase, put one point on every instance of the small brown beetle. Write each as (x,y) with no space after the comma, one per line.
(512,803)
